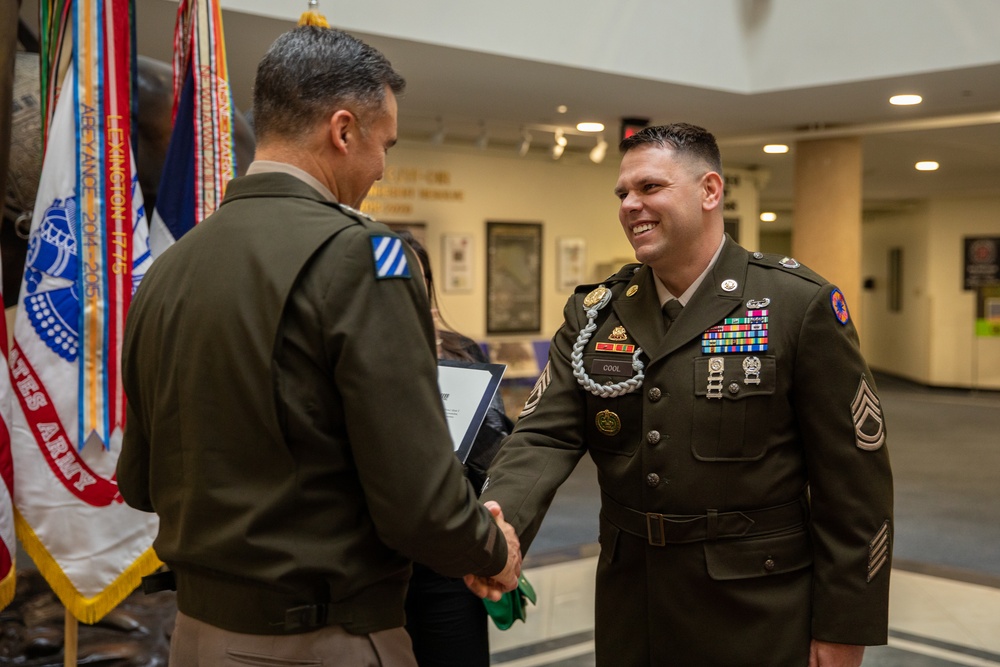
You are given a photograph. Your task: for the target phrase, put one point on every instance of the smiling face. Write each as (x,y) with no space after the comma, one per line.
(665,197)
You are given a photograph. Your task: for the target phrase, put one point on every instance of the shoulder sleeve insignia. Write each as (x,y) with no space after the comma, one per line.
(866,412)
(839,305)
(390,258)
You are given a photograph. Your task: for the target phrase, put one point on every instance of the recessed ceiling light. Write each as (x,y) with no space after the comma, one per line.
(768,216)
(905,100)
(562,108)
(590,127)
(927,165)
(776,148)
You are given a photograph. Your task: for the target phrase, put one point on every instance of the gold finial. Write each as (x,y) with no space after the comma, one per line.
(312,16)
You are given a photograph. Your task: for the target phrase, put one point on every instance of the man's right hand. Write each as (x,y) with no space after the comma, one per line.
(495,586)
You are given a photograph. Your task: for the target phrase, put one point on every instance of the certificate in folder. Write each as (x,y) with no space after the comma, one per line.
(467,389)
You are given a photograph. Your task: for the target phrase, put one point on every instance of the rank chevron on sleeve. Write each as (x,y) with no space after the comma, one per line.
(737,334)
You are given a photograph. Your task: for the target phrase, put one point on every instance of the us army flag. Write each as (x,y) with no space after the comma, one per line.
(87,252)
(8,541)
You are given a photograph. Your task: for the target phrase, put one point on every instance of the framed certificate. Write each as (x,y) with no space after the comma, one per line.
(467,389)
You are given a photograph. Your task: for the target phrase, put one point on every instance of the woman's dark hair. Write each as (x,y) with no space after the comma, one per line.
(453,344)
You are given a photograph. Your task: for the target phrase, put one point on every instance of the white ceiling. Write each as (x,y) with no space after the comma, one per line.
(958,124)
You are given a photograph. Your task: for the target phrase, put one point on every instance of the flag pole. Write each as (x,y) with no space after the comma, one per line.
(70,641)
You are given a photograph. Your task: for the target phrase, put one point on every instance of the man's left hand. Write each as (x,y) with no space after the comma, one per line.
(829,654)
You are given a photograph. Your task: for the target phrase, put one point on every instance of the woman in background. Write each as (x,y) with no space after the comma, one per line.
(446,621)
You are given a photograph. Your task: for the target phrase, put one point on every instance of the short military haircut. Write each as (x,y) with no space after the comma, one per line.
(684,138)
(311,72)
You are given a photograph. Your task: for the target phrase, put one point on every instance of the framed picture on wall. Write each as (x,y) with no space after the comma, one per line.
(571,262)
(513,277)
(456,262)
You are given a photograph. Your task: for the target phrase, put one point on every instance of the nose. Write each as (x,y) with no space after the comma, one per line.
(630,202)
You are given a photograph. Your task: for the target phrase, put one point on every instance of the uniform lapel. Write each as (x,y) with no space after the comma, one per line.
(709,304)
(639,313)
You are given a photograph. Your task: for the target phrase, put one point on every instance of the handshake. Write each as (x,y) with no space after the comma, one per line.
(495,586)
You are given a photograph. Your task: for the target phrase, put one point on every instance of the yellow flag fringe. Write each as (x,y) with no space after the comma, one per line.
(7,587)
(312,16)
(85,610)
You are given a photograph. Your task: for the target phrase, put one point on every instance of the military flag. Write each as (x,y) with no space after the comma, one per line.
(8,539)
(200,159)
(87,252)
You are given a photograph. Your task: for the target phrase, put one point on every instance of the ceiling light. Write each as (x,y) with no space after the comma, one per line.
(598,152)
(438,137)
(560,138)
(905,100)
(525,143)
(483,140)
(927,165)
(768,216)
(590,127)
(557,151)
(776,148)
(562,108)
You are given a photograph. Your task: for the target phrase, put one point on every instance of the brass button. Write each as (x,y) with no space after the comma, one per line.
(734,388)
(758,255)
(653,437)
(769,564)
(654,394)
(652,479)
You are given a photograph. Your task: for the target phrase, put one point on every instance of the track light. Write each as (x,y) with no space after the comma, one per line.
(598,152)
(438,137)
(561,139)
(557,150)
(525,143)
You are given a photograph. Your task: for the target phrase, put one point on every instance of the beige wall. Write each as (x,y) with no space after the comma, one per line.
(456,190)
(932,339)
(571,197)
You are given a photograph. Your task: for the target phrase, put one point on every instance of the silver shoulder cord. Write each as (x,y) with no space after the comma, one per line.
(594,301)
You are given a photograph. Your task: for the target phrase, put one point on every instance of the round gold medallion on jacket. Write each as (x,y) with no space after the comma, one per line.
(595,297)
(608,422)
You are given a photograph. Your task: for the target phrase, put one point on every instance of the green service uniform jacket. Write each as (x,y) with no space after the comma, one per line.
(285,423)
(746,491)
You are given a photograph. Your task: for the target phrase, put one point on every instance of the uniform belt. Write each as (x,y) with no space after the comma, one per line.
(661,529)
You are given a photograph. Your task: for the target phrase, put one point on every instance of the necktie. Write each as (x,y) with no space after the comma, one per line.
(671,309)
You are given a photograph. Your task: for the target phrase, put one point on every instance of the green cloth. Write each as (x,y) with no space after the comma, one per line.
(511,606)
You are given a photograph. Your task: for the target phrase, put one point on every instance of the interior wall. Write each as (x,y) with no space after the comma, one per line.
(455,190)
(932,339)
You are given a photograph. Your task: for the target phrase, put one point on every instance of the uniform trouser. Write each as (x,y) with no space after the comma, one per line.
(198,644)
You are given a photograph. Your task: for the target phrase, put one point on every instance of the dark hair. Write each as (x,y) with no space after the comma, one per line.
(684,138)
(453,344)
(310,72)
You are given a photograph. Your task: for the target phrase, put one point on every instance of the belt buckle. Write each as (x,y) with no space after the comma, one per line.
(650,516)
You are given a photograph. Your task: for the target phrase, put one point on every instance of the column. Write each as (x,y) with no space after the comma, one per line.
(826,231)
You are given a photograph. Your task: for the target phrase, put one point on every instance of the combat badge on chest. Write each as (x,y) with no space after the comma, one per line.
(734,336)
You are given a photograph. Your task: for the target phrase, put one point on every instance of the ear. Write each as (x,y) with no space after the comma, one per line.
(713,191)
(343,130)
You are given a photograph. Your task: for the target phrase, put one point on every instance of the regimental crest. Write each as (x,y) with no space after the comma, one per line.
(536,393)
(50,273)
(618,334)
(866,412)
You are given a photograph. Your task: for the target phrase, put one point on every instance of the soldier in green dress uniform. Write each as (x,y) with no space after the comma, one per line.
(746,513)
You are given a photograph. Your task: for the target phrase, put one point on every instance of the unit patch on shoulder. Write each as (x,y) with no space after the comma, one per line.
(839,305)
(390,259)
